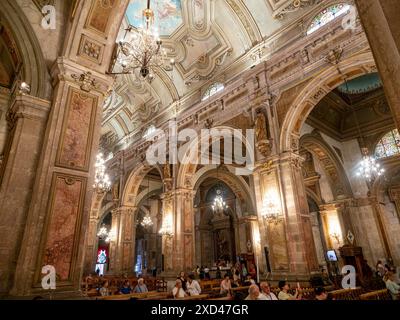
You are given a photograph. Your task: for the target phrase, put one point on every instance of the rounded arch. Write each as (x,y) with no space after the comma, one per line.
(236,183)
(190,163)
(33,70)
(331,164)
(133,182)
(318,87)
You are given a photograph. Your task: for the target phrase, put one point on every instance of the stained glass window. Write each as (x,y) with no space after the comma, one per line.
(327,15)
(213,89)
(389,145)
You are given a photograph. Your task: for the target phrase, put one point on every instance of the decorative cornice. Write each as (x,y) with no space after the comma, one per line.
(294,6)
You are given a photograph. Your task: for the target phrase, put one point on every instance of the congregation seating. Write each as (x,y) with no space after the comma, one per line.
(383,294)
(211,290)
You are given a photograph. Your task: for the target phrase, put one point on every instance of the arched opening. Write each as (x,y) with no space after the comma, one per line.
(148,241)
(333,121)
(215,228)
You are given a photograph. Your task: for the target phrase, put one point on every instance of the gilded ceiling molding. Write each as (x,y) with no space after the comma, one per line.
(245,20)
(293,6)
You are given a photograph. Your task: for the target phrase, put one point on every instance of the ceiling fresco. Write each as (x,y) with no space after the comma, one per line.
(168,14)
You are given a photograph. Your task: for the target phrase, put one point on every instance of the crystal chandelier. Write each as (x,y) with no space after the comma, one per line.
(103,232)
(102,182)
(219,203)
(147,222)
(166,229)
(368,167)
(271,212)
(143,48)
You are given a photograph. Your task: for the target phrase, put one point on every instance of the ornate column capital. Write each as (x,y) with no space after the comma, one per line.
(27,106)
(88,80)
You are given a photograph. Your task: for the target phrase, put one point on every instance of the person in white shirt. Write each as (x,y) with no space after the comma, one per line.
(178,292)
(254,293)
(266,291)
(392,286)
(193,286)
(226,287)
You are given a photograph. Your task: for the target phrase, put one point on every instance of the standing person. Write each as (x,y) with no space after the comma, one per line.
(284,293)
(193,286)
(392,286)
(218,274)
(201,273)
(178,291)
(226,286)
(140,287)
(266,291)
(182,277)
(206,273)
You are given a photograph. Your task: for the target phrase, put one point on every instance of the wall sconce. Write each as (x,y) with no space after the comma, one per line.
(24,88)
(335,236)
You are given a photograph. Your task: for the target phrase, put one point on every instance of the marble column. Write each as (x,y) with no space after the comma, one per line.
(58,215)
(27,119)
(380,19)
(394,194)
(122,244)
(300,242)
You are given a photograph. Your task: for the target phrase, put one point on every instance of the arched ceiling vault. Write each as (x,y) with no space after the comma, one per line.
(209,40)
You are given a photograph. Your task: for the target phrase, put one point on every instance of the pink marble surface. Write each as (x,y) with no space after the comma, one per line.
(76,136)
(61,230)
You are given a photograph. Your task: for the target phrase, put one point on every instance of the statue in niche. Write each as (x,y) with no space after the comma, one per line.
(261,127)
(167,170)
(115,190)
(263,142)
(167,176)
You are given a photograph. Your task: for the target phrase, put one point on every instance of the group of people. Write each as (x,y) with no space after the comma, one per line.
(126,288)
(388,274)
(239,271)
(186,286)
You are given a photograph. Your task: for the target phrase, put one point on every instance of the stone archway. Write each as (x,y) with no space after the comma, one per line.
(300,106)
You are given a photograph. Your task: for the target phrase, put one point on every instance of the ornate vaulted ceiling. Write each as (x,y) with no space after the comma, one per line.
(210,40)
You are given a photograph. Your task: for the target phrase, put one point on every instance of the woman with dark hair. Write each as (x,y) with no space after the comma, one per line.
(284,293)
(182,277)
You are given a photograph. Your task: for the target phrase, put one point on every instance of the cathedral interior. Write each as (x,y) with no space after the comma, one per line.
(274,125)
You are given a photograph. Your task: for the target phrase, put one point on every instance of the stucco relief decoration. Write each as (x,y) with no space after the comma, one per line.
(77,128)
(293,6)
(65,211)
(100,13)
(263,143)
(86,80)
(198,14)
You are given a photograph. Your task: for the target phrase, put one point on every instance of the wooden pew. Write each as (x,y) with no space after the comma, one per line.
(150,294)
(347,294)
(190,298)
(383,294)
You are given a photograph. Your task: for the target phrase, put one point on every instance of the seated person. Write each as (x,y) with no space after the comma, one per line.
(284,293)
(266,291)
(141,287)
(178,291)
(193,286)
(104,291)
(249,281)
(392,286)
(126,288)
(254,293)
(226,286)
(321,294)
